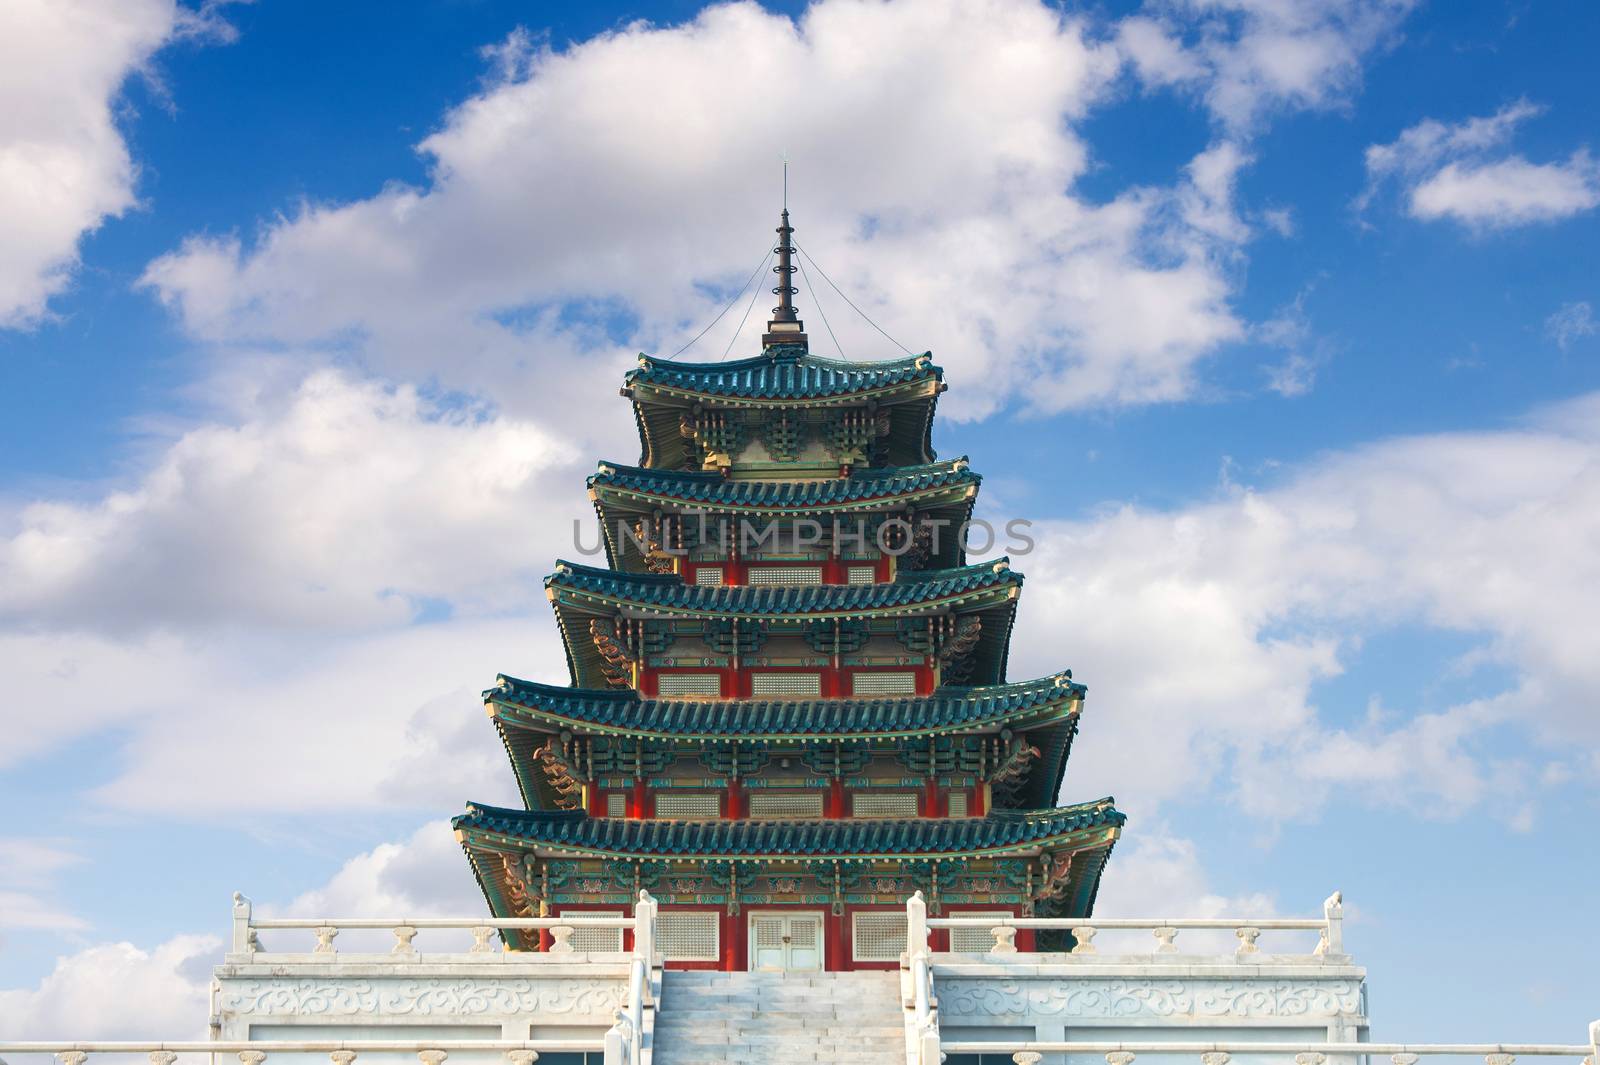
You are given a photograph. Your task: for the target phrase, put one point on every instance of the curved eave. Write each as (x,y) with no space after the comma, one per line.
(547,709)
(907,388)
(602,591)
(1075,828)
(642,488)
(783,374)
(945,490)
(666,596)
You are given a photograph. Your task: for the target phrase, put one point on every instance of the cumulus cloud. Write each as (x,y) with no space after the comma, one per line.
(934,154)
(1459,172)
(118,991)
(1209,628)
(347,504)
(64,165)
(1250,58)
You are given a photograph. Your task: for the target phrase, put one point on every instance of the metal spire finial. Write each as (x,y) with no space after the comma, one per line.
(785,327)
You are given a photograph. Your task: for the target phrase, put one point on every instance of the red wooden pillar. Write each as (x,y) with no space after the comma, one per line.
(930,799)
(639,806)
(834,954)
(980,796)
(833,810)
(734,805)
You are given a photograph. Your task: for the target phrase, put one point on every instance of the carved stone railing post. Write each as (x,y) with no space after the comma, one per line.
(431,1057)
(1247,939)
(1120,1057)
(480,939)
(342,1057)
(243,934)
(1165,935)
(1498,1059)
(252,1057)
(1005,939)
(1404,1058)
(72,1057)
(916,925)
(403,935)
(162,1057)
(1083,935)
(1216,1057)
(325,935)
(562,934)
(644,927)
(1594,1044)
(1332,935)
(522,1057)
(1310,1057)
(1027,1057)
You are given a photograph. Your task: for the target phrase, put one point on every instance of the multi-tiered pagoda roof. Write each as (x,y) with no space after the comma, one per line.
(789,693)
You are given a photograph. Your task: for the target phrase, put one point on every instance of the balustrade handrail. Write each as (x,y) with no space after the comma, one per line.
(1266,924)
(1151,1047)
(287,1046)
(354,923)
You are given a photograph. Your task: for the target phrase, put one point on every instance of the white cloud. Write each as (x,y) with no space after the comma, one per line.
(424,875)
(553,199)
(117,991)
(28,869)
(1450,172)
(1207,628)
(344,504)
(64,166)
(1249,58)
(1571,322)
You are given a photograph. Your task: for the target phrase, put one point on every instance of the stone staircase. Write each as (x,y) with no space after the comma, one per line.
(775,1018)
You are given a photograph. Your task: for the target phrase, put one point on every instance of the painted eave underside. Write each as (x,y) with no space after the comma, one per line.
(638,487)
(577,834)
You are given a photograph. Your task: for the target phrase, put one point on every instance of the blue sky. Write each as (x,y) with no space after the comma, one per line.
(1276,316)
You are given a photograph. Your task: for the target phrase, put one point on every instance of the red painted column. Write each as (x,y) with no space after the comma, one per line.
(733,804)
(978,806)
(930,799)
(834,808)
(639,807)
(833,952)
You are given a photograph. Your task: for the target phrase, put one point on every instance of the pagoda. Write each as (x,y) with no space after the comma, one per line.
(788,707)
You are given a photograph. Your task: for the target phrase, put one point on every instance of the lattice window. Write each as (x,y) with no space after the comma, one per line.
(689,684)
(708,577)
(884,804)
(897,683)
(861,575)
(617,804)
(690,935)
(786,684)
(956,804)
(596,939)
(688,806)
(806,575)
(972,940)
(878,936)
(785,804)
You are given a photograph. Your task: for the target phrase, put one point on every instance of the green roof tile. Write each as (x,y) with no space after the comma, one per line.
(711,488)
(625,711)
(669,592)
(782,373)
(576,830)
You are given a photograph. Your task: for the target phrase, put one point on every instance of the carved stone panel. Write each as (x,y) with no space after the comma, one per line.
(1154,998)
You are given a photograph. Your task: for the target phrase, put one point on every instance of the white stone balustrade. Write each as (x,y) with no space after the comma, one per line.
(247,931)
(1125,1053)
(1248,931)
